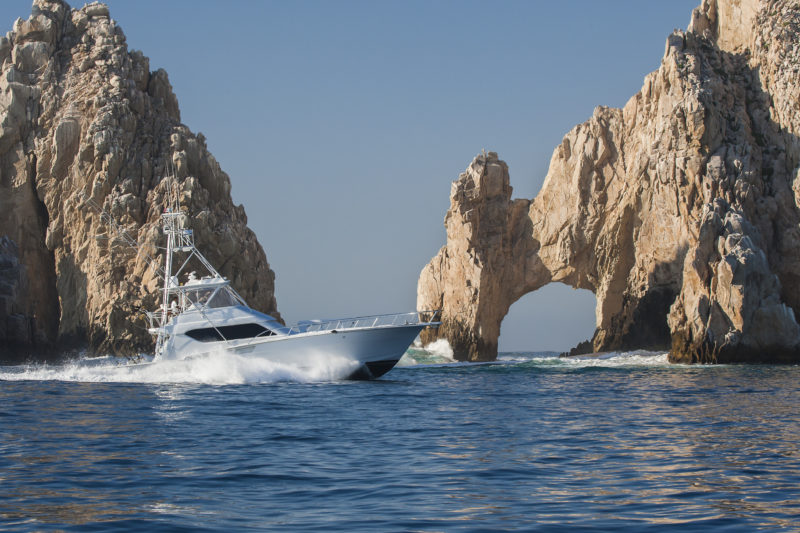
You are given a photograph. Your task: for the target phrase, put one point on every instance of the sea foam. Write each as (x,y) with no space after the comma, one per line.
(637,358)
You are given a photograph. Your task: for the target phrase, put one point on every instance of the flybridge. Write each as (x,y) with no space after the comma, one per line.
(197,294)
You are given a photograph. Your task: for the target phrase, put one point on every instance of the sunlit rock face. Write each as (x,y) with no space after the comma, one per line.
(81,114)
(679,211)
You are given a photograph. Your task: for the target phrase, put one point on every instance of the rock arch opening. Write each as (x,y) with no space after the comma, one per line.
(554,318)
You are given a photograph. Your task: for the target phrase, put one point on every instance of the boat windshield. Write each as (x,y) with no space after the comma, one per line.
(200,297)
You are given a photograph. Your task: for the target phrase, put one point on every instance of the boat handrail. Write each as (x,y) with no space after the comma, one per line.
(396,319)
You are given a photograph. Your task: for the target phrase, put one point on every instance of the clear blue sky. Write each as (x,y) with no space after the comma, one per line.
(342,124)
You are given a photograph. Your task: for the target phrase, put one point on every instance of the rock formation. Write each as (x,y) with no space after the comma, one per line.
(679,211)
(80,113)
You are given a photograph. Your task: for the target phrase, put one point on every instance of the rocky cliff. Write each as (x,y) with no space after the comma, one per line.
(679,211)
(80,113)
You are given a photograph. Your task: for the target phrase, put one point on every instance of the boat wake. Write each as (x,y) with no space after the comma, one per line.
(213,369)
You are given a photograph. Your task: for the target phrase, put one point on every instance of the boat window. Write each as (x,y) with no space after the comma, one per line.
(222,299)
(201,297)
(240,331)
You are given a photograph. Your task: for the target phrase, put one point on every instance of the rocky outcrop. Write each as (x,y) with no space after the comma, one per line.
(679,211)
(81,114)
(480,272)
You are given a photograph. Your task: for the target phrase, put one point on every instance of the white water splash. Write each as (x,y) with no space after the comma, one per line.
(440,348)
(215,369)
(438,352)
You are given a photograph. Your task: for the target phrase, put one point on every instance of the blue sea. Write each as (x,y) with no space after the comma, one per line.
(622,442)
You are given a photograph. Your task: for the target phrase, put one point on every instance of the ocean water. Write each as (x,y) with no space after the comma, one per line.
(622,442)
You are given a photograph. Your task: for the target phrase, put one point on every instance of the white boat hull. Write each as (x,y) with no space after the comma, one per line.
(362,353)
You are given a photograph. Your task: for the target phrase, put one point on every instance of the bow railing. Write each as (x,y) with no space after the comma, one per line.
(429,318)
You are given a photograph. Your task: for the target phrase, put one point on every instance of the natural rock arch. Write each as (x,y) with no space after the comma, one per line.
(497,252)
(679,211)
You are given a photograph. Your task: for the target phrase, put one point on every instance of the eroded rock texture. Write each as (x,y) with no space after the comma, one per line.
(80,113)
(679,211)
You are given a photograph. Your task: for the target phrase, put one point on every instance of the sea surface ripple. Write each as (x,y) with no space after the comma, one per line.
(619,442)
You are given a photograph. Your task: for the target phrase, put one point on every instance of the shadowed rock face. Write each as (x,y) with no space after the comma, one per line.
(679,211)
(79,113)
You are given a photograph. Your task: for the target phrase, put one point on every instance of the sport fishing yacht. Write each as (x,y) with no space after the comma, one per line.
(202,315)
